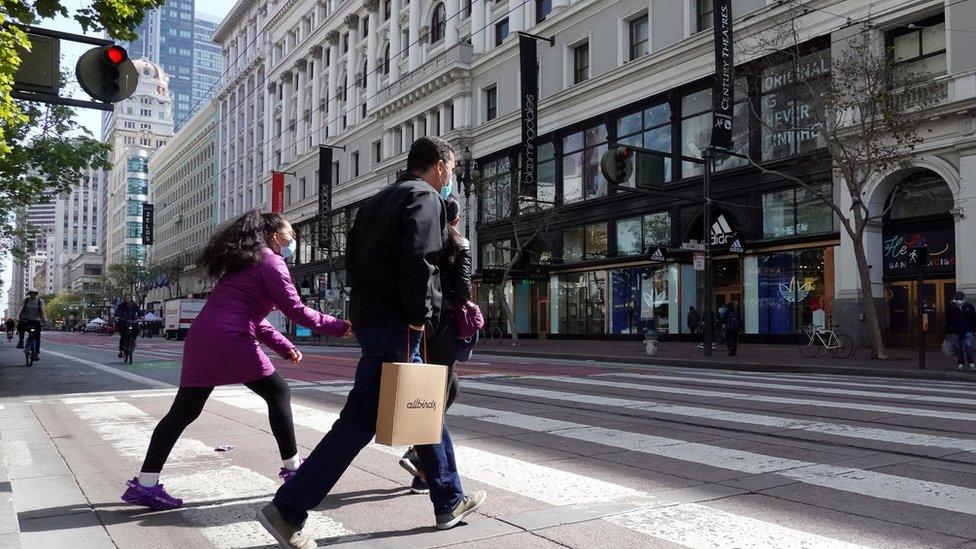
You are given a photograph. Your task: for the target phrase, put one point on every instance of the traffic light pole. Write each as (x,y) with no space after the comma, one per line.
(708,335)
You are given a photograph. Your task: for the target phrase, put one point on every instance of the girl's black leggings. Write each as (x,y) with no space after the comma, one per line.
(189,403)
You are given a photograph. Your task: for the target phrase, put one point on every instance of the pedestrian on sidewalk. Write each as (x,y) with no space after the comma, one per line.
(694,320)
(248,259)
(443,344)
(732,320)
(392,253)
(961,316)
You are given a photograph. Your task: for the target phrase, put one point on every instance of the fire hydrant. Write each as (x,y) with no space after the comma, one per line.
(650,342)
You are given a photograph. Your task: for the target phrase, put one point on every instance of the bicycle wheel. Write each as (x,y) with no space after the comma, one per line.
(844,348)
(29,352)
(809,345)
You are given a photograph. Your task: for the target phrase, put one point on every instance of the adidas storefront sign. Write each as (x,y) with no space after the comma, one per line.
(657,255)
(736,247)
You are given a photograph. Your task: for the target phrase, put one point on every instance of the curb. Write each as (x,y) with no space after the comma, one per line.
(745,366)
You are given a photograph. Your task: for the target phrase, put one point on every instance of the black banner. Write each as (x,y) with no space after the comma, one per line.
(325,200)
(147,223)
(723,90)
(530,111)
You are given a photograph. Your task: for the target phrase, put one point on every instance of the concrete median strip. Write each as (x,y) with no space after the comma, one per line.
(566,489)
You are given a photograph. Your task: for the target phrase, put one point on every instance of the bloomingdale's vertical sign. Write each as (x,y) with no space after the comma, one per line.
(530,110)
(723,90)
(325,200)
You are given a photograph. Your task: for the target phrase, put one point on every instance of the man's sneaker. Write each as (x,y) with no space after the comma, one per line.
(155,497)
(961,368)
(121,354)
(286,534)
(411,462)
(286,474)
(972,367)
(419,486)
(35,358)
(465,507)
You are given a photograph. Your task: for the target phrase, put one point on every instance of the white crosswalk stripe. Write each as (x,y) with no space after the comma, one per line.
(695,525)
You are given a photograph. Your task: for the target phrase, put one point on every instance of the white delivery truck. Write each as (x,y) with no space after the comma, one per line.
(179,314)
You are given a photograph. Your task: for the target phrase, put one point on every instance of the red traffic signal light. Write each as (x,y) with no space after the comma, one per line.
(107,74)
(617,165)
(115,54)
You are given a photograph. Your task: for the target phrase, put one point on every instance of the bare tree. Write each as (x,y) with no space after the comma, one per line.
(865,114)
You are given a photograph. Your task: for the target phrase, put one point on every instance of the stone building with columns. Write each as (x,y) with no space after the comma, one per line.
(367,78)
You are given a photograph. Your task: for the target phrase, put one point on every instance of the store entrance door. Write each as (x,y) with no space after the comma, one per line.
(903,316)
(727,285)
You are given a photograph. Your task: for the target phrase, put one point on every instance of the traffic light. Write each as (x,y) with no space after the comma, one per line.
(617,165)
(107,74)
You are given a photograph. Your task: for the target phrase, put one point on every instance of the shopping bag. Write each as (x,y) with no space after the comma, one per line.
(949,345)
(412,401)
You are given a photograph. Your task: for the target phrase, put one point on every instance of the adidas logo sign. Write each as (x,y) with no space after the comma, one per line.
(721,231)
(658,255)
(736,247)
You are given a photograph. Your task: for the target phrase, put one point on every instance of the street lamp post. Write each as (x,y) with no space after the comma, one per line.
(469,173)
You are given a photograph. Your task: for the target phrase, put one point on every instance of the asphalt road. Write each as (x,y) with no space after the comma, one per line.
(572,455)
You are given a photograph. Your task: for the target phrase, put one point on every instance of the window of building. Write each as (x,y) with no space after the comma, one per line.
(345,42)
(496,195)
(582,151)
(705,10)
(542,10)
(919,50)
(438,24)
(133,207)
(790,121)
(385,68)
(797,212)
(491,103)
(355,164)
(585,243)
(581,62)
(287,195)
(133,229)
(137,186)
(649,128)
(637,234)
(639,37)
(501,31)
(386,10)
(365,26)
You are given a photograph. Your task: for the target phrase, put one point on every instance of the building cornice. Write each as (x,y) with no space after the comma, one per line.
(232,20)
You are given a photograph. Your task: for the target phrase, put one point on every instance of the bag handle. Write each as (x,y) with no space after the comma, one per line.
(423,340)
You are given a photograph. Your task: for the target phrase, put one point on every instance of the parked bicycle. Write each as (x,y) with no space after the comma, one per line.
(130,331)
(818,338)
(32,345)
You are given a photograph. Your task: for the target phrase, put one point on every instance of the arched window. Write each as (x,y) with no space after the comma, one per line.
(921,194)
(386,60)
(437,24)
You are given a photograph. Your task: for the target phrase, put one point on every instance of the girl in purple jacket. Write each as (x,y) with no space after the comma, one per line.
(223,346)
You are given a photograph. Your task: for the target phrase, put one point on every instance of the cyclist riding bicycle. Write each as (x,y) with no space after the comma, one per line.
(31,316)
(126,313)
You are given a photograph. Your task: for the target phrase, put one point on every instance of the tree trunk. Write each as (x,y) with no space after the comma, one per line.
(867,301)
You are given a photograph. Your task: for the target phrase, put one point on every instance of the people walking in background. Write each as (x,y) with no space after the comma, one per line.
(443,344)
(248,259)
(392,254)
(694,320)
(32,315)
(732,321)
(961,316)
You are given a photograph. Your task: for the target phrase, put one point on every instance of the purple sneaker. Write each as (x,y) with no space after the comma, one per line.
(286,474)
(155,498)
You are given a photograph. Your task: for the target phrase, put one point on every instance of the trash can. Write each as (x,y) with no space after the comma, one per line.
(650,341)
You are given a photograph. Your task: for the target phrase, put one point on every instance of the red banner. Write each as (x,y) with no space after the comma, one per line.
(277,192)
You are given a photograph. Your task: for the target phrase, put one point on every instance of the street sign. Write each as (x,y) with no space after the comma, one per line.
(693,246)
(658,255)
(40,69)
(699,261)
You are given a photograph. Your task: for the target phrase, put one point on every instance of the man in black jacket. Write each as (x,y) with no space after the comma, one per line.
(391,264)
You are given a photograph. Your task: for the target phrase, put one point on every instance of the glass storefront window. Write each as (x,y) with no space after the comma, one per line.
(496,190)
(643,298)
(696,129)
(791,291)
(649,128)
(495,254)
(582,151)
(636,235)
(920,195)
(582,303)
(790,123)
(797,212)
(586,242)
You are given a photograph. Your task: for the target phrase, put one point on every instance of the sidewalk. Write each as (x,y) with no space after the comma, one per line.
(763,357)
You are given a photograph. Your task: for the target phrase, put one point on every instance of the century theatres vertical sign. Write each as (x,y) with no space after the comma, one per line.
(530,110)
(723,90)
(325,200)
(277,192)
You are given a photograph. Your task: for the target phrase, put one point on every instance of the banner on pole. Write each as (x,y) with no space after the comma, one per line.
(148,223)
(277,192)
(530,110)
(325,200)
(723,89)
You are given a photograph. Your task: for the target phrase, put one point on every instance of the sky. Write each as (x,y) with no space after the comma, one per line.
(70,52)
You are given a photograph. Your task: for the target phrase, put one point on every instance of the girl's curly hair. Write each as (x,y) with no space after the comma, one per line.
(238,245)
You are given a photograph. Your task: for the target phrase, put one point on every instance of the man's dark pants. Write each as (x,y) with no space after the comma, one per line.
(23,326)
(356,426)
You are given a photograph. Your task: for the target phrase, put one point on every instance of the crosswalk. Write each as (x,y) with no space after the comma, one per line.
(672,458)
